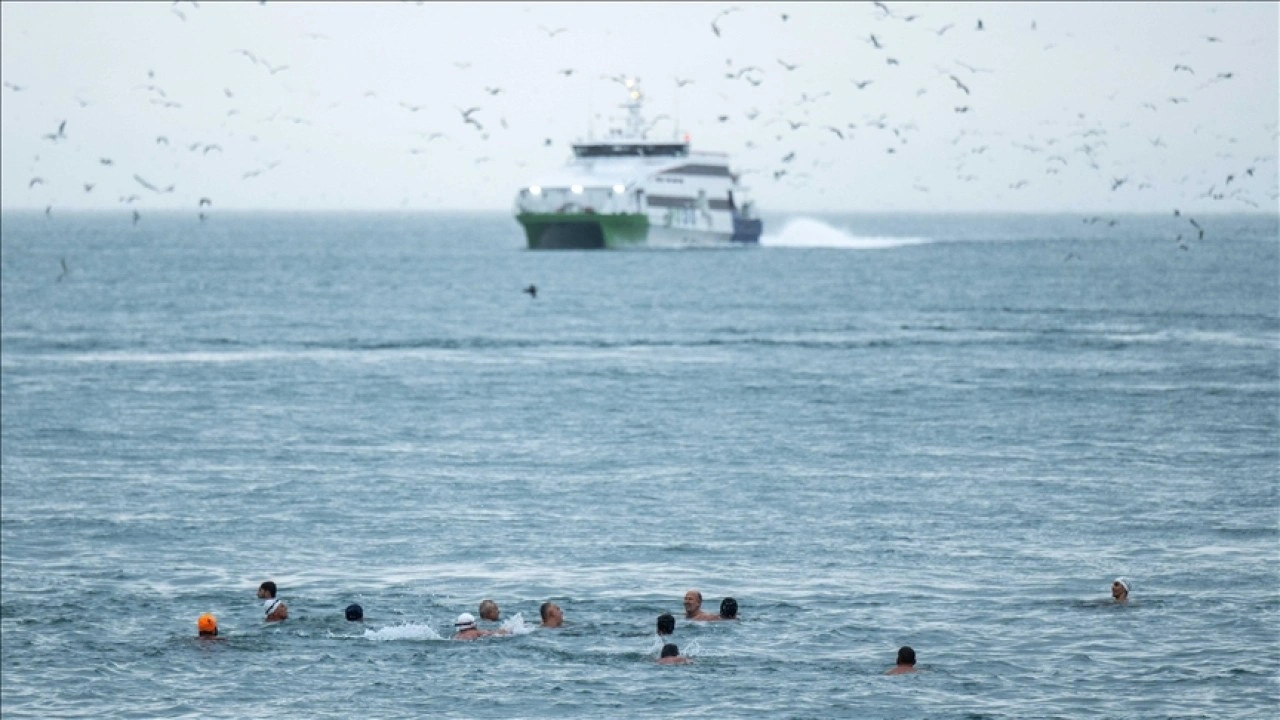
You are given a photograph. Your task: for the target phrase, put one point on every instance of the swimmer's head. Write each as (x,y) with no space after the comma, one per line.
(465,621)
(354,612)
(1120,589)
(692,602)
(207,625)
(489,610)
(666,624)
(906,656)
(670,650)
(729,608)
(267,590)
(552,615)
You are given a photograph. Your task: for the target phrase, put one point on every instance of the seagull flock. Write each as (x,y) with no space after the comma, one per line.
(1074,144)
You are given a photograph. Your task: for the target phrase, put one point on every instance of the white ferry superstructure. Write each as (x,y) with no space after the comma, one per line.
(627,190)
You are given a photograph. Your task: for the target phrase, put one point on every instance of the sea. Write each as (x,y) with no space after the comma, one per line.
(947,432)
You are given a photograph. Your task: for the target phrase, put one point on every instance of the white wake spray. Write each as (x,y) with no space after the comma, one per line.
(409,631)
(810,233)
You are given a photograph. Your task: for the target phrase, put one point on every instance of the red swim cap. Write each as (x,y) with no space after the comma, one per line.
(207,624)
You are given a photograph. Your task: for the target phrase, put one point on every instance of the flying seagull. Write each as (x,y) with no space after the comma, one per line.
(532,290)
(716,28)
(960,85)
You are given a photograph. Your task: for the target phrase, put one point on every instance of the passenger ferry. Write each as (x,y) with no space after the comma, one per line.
(630,191)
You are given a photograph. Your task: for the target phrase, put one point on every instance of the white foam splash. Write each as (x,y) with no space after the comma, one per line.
(515,625)
(410,631)
(810,233)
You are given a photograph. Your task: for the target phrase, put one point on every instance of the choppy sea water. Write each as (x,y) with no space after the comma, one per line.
(937,431)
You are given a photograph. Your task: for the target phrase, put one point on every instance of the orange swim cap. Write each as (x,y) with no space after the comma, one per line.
(207,624)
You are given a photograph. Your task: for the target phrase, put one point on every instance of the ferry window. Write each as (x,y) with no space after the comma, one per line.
(611,150)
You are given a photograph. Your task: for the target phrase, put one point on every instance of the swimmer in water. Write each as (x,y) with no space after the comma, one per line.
(906,662)
(1120,590)
(671,656)
(666,624)
(693,607)
(274,607)
(728,609)
(354,613)
(465,627)
(552,616)
(489,610)
(207,626)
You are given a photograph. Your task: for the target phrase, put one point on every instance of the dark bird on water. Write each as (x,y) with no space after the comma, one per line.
(979,24)
(65,269)
(136,217)
(532,290)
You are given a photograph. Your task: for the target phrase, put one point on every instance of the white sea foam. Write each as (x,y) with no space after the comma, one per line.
(810,233)
(515,625)
(409,631)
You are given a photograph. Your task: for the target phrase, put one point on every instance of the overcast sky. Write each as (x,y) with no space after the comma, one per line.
(1085,107)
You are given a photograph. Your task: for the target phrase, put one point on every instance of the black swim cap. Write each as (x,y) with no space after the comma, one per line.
(729,608)
(666,624)
(355,612)
(670,650)
(906,656)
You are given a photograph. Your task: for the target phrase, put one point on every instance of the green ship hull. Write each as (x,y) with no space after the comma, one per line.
(584,231)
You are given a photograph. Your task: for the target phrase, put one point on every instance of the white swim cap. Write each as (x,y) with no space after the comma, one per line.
(465,621)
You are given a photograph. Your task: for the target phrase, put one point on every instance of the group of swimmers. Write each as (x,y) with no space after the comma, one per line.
(466,628)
